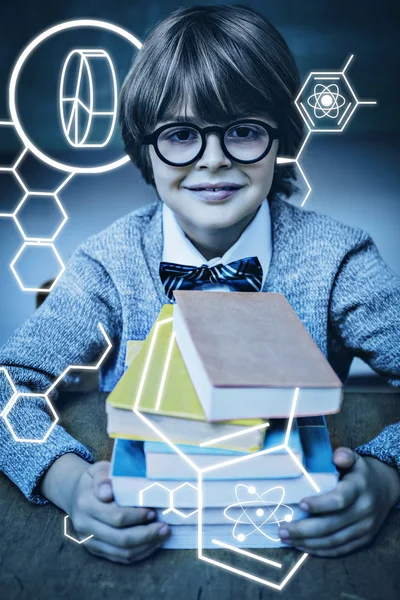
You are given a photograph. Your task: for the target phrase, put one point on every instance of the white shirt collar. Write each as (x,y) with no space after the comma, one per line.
(255,240)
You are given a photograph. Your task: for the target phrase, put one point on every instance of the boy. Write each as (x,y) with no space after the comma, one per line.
(205,108)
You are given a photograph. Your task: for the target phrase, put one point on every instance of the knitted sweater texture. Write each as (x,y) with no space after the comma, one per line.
(333,276)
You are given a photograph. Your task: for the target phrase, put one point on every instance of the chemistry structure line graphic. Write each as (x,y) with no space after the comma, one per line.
(4,414)
(199,471)
(34,241)
(240,550)
(343,121)
(17,395)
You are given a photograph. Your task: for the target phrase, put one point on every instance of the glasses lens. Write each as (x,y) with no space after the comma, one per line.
(246,141)
(179,144)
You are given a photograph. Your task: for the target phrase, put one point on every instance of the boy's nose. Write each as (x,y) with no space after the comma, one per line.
(213,156)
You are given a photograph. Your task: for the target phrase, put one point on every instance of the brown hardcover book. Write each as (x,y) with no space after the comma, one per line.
(247,352)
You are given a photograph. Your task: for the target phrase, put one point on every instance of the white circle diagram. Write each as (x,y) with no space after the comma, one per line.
(14,81)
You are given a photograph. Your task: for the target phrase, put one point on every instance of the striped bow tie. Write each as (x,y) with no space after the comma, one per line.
(244,275)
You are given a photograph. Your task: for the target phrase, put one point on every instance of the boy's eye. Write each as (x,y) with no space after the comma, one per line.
(179,135)
(245,133)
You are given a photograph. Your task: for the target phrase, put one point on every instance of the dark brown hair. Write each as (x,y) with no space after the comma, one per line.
(222,60)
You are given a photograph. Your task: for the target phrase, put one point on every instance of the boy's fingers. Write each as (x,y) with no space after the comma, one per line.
(101,481)
(130,537)
(338,538)
(103,491)
(345,493)
(120,555)
(120,516)
(319,526)
(102,466)
(344,458)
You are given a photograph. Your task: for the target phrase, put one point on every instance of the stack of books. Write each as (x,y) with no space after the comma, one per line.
(225,445)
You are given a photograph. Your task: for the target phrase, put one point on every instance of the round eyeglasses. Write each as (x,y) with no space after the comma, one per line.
(179,144)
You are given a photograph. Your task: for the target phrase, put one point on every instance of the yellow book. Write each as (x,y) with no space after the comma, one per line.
(168,397)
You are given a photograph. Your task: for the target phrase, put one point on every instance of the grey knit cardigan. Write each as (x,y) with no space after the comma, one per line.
(332,275)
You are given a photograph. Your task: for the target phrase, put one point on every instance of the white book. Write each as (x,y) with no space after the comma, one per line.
(216,516)
(217,537)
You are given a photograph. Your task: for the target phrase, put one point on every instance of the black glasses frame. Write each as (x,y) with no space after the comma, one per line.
(152,138)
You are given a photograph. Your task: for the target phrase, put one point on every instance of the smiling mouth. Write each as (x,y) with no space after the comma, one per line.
(228,189)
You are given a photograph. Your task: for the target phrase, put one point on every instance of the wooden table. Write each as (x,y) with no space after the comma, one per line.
(37,562)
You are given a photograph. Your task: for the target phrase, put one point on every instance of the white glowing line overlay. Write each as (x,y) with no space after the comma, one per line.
(75,141)
(44,395)
(171,507)
(319,75)
(14,215)
(260,500)
(14,81)
(330,75)
(37,243)
(11,383)
(246,553)
(232,435)
(199,471)
(284,160)
(70,536)
(38,238)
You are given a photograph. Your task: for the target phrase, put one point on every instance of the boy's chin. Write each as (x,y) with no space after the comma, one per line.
(218,220)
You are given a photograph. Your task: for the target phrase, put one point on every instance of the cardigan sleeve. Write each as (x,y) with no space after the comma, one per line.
(63,331)
(365,314)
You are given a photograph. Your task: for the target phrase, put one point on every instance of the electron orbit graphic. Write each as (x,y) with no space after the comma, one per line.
(326,101)
(258,511)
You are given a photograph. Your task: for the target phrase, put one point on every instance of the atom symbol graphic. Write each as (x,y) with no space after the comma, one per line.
(326,101)
(254,514)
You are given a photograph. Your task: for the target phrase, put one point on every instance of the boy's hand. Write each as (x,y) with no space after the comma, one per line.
(349,516)
(121,534)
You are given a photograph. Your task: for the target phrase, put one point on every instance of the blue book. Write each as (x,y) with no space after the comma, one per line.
(162,462)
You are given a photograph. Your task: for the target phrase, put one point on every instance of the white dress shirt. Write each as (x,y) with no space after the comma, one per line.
(255,240)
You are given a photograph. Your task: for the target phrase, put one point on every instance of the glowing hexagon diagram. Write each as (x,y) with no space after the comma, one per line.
(8,386)
(327,101)
(40,216)
(24,397)
(158,494)
(33,266)
(232,543)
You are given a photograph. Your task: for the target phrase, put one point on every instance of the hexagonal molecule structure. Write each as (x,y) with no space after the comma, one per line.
(327,101)
(41,249)
(49,219)
(259,568)
(8,418)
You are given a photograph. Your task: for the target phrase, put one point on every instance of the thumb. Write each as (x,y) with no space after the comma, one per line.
(102,482)
(344,458)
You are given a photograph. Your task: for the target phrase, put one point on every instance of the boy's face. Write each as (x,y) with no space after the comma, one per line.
(214,166)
